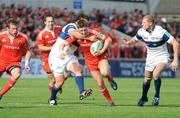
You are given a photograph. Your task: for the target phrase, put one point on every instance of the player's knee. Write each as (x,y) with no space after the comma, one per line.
(100,84)
(59,83)
(51,77)
(104,72)
(52,81)
(16,75)
(80,70)
(78,73)
(147,80)
(155,76)
(101,88)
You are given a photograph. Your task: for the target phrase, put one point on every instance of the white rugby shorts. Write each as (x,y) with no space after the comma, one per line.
(60,66)
(151,63)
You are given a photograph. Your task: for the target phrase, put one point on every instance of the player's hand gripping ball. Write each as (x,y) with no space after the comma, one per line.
(96,46)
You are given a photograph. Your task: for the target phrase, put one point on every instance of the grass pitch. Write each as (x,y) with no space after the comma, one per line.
(28,99)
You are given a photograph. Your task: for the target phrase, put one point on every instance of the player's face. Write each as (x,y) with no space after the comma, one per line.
(49,23)
(146,24)
(84,31)
(12,29)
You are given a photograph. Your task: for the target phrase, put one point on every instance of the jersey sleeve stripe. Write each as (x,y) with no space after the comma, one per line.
(63,35)
(155,44)
(138,37)
(166,36)
(69,27)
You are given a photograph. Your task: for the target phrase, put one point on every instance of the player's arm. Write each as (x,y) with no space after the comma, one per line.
(27,60)
(76,34)
(61,48)
(28,48)
(40,43)
(65,43)
(167,37)
(107,42)
(43,48)
(175,62)
(132,41)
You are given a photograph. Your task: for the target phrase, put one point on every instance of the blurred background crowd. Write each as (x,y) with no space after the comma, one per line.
(31,22)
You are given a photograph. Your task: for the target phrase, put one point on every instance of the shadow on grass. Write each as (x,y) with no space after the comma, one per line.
(14,107)
(81,103)
(167,105)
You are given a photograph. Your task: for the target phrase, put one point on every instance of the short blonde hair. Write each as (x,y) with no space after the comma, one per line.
(149,18)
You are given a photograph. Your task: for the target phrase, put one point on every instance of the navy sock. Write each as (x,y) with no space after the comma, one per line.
(145,89)
(157,84)
(54,92)
(80,83)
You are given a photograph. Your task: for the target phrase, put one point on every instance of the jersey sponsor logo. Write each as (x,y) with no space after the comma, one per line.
(85,45)
(12,47)
(154,38)
(52,41)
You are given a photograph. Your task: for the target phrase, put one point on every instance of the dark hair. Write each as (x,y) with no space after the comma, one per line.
(12,21)
(48,15)
(82,16)
(82,23)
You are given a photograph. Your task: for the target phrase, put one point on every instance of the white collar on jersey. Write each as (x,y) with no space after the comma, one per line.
(11,37)
(52,31)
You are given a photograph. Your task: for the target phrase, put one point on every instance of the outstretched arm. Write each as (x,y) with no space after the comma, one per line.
(132,41)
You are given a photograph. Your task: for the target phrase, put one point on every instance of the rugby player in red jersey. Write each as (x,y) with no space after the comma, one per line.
(45,40)
(13,45)
(97,63)
(98,32)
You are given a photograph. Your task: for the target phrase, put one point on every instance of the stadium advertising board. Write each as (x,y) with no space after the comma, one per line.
(129,68)
(119,68)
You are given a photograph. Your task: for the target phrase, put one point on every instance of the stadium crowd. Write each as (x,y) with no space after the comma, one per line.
(31,23)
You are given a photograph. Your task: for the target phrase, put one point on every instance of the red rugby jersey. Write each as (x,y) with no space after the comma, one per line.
(48,38)
(13,49)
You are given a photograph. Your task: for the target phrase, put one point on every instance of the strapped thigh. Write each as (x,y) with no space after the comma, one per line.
(9,69)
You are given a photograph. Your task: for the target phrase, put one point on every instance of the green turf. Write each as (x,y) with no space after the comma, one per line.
(28,99)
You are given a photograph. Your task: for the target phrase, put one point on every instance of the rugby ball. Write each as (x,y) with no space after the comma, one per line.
(96,46)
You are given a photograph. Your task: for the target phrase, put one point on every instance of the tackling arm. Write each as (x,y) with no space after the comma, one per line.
(78,35)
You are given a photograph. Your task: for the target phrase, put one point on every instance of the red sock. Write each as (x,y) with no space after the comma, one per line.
(7,87)
(109,78)
(105,93)
(50,88)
